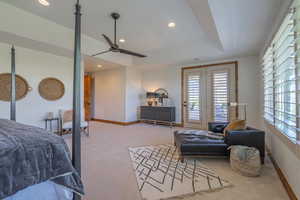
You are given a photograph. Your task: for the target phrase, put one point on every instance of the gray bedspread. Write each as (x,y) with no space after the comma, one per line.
(31,155)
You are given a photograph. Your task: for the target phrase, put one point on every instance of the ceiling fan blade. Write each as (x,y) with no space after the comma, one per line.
(131,53)
(102,52)
(108,40)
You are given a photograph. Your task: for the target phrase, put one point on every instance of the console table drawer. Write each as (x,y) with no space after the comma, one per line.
(166,114)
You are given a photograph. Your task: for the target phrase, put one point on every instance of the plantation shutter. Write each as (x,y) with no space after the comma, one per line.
(193,88)
(281,76)
(268,86)
(284,78)
(220,95)
(296,27)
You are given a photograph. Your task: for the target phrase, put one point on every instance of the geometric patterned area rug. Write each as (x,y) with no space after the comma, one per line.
(161,175)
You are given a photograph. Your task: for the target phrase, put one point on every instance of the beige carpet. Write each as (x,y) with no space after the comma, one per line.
(107,169)
(161,175)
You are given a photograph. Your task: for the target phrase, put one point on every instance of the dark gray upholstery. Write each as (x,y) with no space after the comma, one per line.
(201,144)
(217,127)
(192,144)
(250,137)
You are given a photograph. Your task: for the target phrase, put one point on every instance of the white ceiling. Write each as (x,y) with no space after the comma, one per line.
(91,64)
(205,29)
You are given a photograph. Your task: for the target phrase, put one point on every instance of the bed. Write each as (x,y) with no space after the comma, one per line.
(35,162)
(47,190)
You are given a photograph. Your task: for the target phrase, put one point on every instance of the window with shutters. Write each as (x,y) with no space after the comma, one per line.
(220,96)
(281,76)
(268,86)
(193,88)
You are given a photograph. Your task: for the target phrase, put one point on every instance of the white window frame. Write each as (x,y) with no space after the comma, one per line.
(282,78)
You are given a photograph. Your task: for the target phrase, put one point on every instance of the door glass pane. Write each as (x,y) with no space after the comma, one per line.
(193,97)
(220,96)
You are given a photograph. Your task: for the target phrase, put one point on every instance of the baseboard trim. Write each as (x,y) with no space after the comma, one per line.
(116,122)
(126,123)
(164,123)
(179,125)
(283,179)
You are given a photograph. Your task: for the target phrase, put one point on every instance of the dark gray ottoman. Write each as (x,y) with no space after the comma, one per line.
(199,143)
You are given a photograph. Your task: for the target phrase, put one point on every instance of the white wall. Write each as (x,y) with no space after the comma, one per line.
(133,93)
(287,160)
(35,66)
(109,93)
(170,79)
(117,94)
(249,89)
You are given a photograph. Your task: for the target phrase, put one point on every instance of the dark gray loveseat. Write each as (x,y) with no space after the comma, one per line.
(198,144)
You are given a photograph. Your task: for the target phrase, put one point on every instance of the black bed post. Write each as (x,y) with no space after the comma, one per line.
(13,85)
(76,143)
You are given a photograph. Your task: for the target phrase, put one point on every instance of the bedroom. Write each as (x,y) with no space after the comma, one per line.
(182,41)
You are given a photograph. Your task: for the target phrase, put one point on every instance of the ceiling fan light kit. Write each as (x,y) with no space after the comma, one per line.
(44,2)
(114,47)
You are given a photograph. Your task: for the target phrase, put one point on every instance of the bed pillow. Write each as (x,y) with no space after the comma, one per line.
(235,125)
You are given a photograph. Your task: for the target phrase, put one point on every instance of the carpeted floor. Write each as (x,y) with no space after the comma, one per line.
(107,171)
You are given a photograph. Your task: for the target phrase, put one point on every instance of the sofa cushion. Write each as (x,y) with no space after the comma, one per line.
(235,125)
(217,127)
(191,132)
(199,140)
(200,133)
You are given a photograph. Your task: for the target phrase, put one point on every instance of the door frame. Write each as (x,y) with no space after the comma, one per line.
(90,111)
(236,64)
(191,123)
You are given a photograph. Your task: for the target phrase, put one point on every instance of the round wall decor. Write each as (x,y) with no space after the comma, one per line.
(22,87)
(51,89)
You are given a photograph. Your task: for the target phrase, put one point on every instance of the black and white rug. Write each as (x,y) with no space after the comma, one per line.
(161,175)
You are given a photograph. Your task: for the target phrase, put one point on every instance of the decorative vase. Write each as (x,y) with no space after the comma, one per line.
(150,103)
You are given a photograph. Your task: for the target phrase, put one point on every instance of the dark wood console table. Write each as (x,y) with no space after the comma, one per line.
(158,114)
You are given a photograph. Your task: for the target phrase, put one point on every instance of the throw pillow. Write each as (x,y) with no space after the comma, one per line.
(235,125)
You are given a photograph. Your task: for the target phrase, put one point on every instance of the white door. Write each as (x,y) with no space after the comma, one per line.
(207,93)
(221,92)
(194,98)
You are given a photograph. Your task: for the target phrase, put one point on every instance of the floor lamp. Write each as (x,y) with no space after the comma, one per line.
(239,108)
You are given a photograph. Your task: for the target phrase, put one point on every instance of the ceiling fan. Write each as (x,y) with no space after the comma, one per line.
(114,47)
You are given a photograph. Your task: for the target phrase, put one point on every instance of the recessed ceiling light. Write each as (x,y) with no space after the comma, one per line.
(44,2)
(171,25)
(99,66)
(122,40)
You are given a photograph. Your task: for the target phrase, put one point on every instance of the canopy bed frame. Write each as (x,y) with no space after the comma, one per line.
(13,85)
(76,140)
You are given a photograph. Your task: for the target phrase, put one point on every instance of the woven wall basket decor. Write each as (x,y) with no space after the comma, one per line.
(22,87)
(51,89)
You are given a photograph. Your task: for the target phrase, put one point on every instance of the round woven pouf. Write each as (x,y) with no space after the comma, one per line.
(22,87)
(245,160)
(51,89)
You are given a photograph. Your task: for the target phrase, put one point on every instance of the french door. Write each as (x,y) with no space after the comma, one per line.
(207,93)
